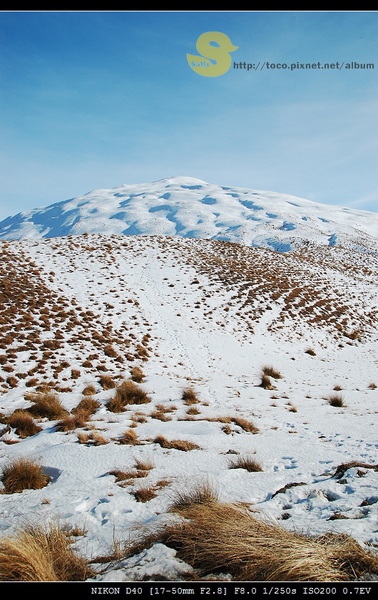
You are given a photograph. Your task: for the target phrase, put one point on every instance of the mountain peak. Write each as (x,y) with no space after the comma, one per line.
(190,207)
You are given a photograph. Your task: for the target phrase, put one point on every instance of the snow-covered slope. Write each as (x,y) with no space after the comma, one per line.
(190,207)
(192,313)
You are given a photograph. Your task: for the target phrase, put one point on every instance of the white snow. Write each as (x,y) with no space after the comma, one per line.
(203,334)
(190,207)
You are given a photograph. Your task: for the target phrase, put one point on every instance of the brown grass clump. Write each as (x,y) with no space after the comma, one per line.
(72,422)
(46,404)
(266,382)
(248,426)
(137,375)
(87,406)
(107,382)
(23,474)
(189,397)
(183,445)
(248,463)
(38,554)
(127,393)
(226,538)
(336,400)
(89,390)
(129,437)
(271,372)
(92,439)
(145,465)
(202,494)
(122,476)
(23,423)
(144,494)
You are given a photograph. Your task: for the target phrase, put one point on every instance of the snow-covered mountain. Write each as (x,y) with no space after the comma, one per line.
(83,314)
(190,207)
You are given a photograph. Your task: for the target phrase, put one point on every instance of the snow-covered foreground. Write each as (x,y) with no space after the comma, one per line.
(181,311)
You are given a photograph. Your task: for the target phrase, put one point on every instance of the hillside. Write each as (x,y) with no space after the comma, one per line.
(82,313)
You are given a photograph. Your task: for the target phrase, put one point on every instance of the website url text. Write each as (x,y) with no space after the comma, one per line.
(339,66)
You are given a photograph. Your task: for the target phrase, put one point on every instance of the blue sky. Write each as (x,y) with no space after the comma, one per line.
(96,99)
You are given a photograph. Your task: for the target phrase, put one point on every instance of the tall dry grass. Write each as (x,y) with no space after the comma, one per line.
(46,404)
(216,538)
(41,554)
(227,538)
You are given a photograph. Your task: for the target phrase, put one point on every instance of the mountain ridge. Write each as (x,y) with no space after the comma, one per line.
(190,207)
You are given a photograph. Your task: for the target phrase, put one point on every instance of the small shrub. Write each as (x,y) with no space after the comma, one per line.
(23,474)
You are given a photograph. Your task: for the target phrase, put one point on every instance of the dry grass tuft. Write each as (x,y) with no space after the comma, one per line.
(183,445)
(46,404)
(23,474)
(87,406)
(72,422)
(144,494)
(23,423)
(189,397)
(271,372)
(107,382)
(127,393)
(89,390)
(247,426)
(144,465)
(129,437)
(266,382)
(92,439)
(248,463)
(201,494)
(137,375)
(336,400)
(226,538)
(38,554)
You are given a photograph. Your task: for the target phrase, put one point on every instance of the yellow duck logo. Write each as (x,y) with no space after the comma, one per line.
(212,46)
